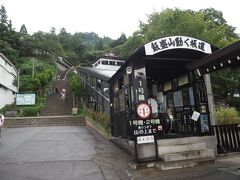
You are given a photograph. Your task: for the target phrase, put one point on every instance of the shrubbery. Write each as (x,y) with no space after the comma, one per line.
(102,120)
(227,115)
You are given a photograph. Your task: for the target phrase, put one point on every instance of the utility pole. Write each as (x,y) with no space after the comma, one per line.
(33,69)
(18,84)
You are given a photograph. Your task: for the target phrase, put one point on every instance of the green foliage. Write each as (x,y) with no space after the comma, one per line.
(100,120)
(77,86)
(226,115)
(29,111)
(7,107)
(43,74)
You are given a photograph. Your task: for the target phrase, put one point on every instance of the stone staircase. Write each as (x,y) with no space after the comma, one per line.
(55,107)
(55,113)
(183,152)
(14,122)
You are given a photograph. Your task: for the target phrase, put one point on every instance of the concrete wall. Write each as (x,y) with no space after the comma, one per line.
(148,150)
(6,97)
(8,74)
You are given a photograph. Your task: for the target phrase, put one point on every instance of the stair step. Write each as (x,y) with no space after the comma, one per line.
(184,163)
(181,148)
(45,121)
(197,154)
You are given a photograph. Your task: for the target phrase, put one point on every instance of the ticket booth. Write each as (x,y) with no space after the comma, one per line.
(158,70)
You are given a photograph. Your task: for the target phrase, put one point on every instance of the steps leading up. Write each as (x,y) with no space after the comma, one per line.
(54,106)
(183,163)
(184,152)
(44,121)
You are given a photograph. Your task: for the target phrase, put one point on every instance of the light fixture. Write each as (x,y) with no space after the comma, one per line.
(229,61)
(238,58)
(221,64)
(207,70)
(214,67)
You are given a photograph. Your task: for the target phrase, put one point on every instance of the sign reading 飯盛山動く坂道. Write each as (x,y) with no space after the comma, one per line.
(176,42)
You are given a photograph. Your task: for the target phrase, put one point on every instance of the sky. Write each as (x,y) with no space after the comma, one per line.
(104,17)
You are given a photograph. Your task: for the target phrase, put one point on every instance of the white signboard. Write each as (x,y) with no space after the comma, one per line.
(25,99)
(195,115)
(145,139)
(177,42)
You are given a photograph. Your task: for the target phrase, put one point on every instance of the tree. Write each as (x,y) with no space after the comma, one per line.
(79,92)
(23,29)
(3,15)
(121,40)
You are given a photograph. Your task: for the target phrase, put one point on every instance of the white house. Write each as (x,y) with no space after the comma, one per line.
(8,81)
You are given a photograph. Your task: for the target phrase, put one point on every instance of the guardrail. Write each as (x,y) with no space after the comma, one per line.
(228,137)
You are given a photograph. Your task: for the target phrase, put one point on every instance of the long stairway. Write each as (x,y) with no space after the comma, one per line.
(54,106)
(55,113)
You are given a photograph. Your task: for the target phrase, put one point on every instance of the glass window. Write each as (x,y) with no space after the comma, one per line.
(115,86)
(170,100)
(191,97)
(177,98)
(105,62)
(116,104)
(167,86)
(119,63)
(186,97)
(120,83)
(112,63)
(121,101)
(175,83)
(183,80)
(163,105)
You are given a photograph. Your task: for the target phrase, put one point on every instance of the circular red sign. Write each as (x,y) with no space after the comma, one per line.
(143,110)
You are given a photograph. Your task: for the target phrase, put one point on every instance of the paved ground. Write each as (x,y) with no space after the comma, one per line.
(75,152)
(60,153)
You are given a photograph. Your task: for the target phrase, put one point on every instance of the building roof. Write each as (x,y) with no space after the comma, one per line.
(104,74)
(228,56)
(167,59)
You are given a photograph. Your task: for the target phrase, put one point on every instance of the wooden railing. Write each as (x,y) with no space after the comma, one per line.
(228,137)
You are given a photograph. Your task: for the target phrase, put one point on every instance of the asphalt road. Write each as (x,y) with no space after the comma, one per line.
(56,153)
(79,153)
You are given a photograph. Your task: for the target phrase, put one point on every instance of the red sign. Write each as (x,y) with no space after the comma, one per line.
(143,110)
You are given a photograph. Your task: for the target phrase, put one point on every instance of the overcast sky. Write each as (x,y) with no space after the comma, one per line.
(104,17)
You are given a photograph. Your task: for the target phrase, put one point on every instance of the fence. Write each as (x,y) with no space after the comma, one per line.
(228,137)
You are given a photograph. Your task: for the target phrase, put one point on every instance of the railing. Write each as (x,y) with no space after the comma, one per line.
(228,137)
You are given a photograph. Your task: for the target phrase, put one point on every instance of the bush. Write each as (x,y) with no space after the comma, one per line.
(30,111)
(101,119)
(226,115)
(7,107)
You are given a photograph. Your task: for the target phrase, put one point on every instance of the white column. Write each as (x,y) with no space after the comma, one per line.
(211,104)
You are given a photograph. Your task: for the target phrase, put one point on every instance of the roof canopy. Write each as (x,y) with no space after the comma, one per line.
(225,57)
(167,57)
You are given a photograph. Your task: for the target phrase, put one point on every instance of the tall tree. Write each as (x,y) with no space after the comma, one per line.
(3,15)
(23,29)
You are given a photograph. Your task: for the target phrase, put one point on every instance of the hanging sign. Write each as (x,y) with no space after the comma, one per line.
(177,42)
